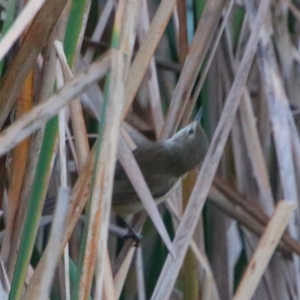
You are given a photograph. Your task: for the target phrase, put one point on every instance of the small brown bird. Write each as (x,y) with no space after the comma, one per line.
(163,164)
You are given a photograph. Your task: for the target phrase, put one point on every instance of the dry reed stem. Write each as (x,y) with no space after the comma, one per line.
(62,123)
(42,289)
(120,276)
(265,288)
(92,98)
(139,269)
(4,282)
(78,200)
(265,250)
(20,25)
(75,210)
(191,103)
(282,125)
(39,115)
(151,75)
(100,201)
(78,124)
(191,277)
(144,55)
(45,90)
(72,146)
(35,39)
(192,213)
(198,49)
(66,270)
(210,291)
(183,45)
(108,286)
(137,224)
(18,167)
(244,219)
(96,36)
(241,200)
(79,197)
(209,288)
(278,107)
(256,154)
(48,71)
(62,133)
(126,23)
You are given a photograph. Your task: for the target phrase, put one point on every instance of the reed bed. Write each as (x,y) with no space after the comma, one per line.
(83,83)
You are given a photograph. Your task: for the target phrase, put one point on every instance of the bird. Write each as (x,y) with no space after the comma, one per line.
(163,164)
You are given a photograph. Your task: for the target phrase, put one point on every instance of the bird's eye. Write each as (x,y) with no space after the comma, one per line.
(191,131)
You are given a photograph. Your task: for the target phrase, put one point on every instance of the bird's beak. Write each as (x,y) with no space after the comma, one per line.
(199,115)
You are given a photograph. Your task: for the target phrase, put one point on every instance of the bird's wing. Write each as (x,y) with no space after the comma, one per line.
(161,185)
(123,191)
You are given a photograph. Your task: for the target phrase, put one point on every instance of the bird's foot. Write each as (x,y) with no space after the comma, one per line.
(132,234)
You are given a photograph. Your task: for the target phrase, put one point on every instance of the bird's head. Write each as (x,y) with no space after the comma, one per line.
(190,145)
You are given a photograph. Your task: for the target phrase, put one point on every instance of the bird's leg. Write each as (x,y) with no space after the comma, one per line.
(132,234)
